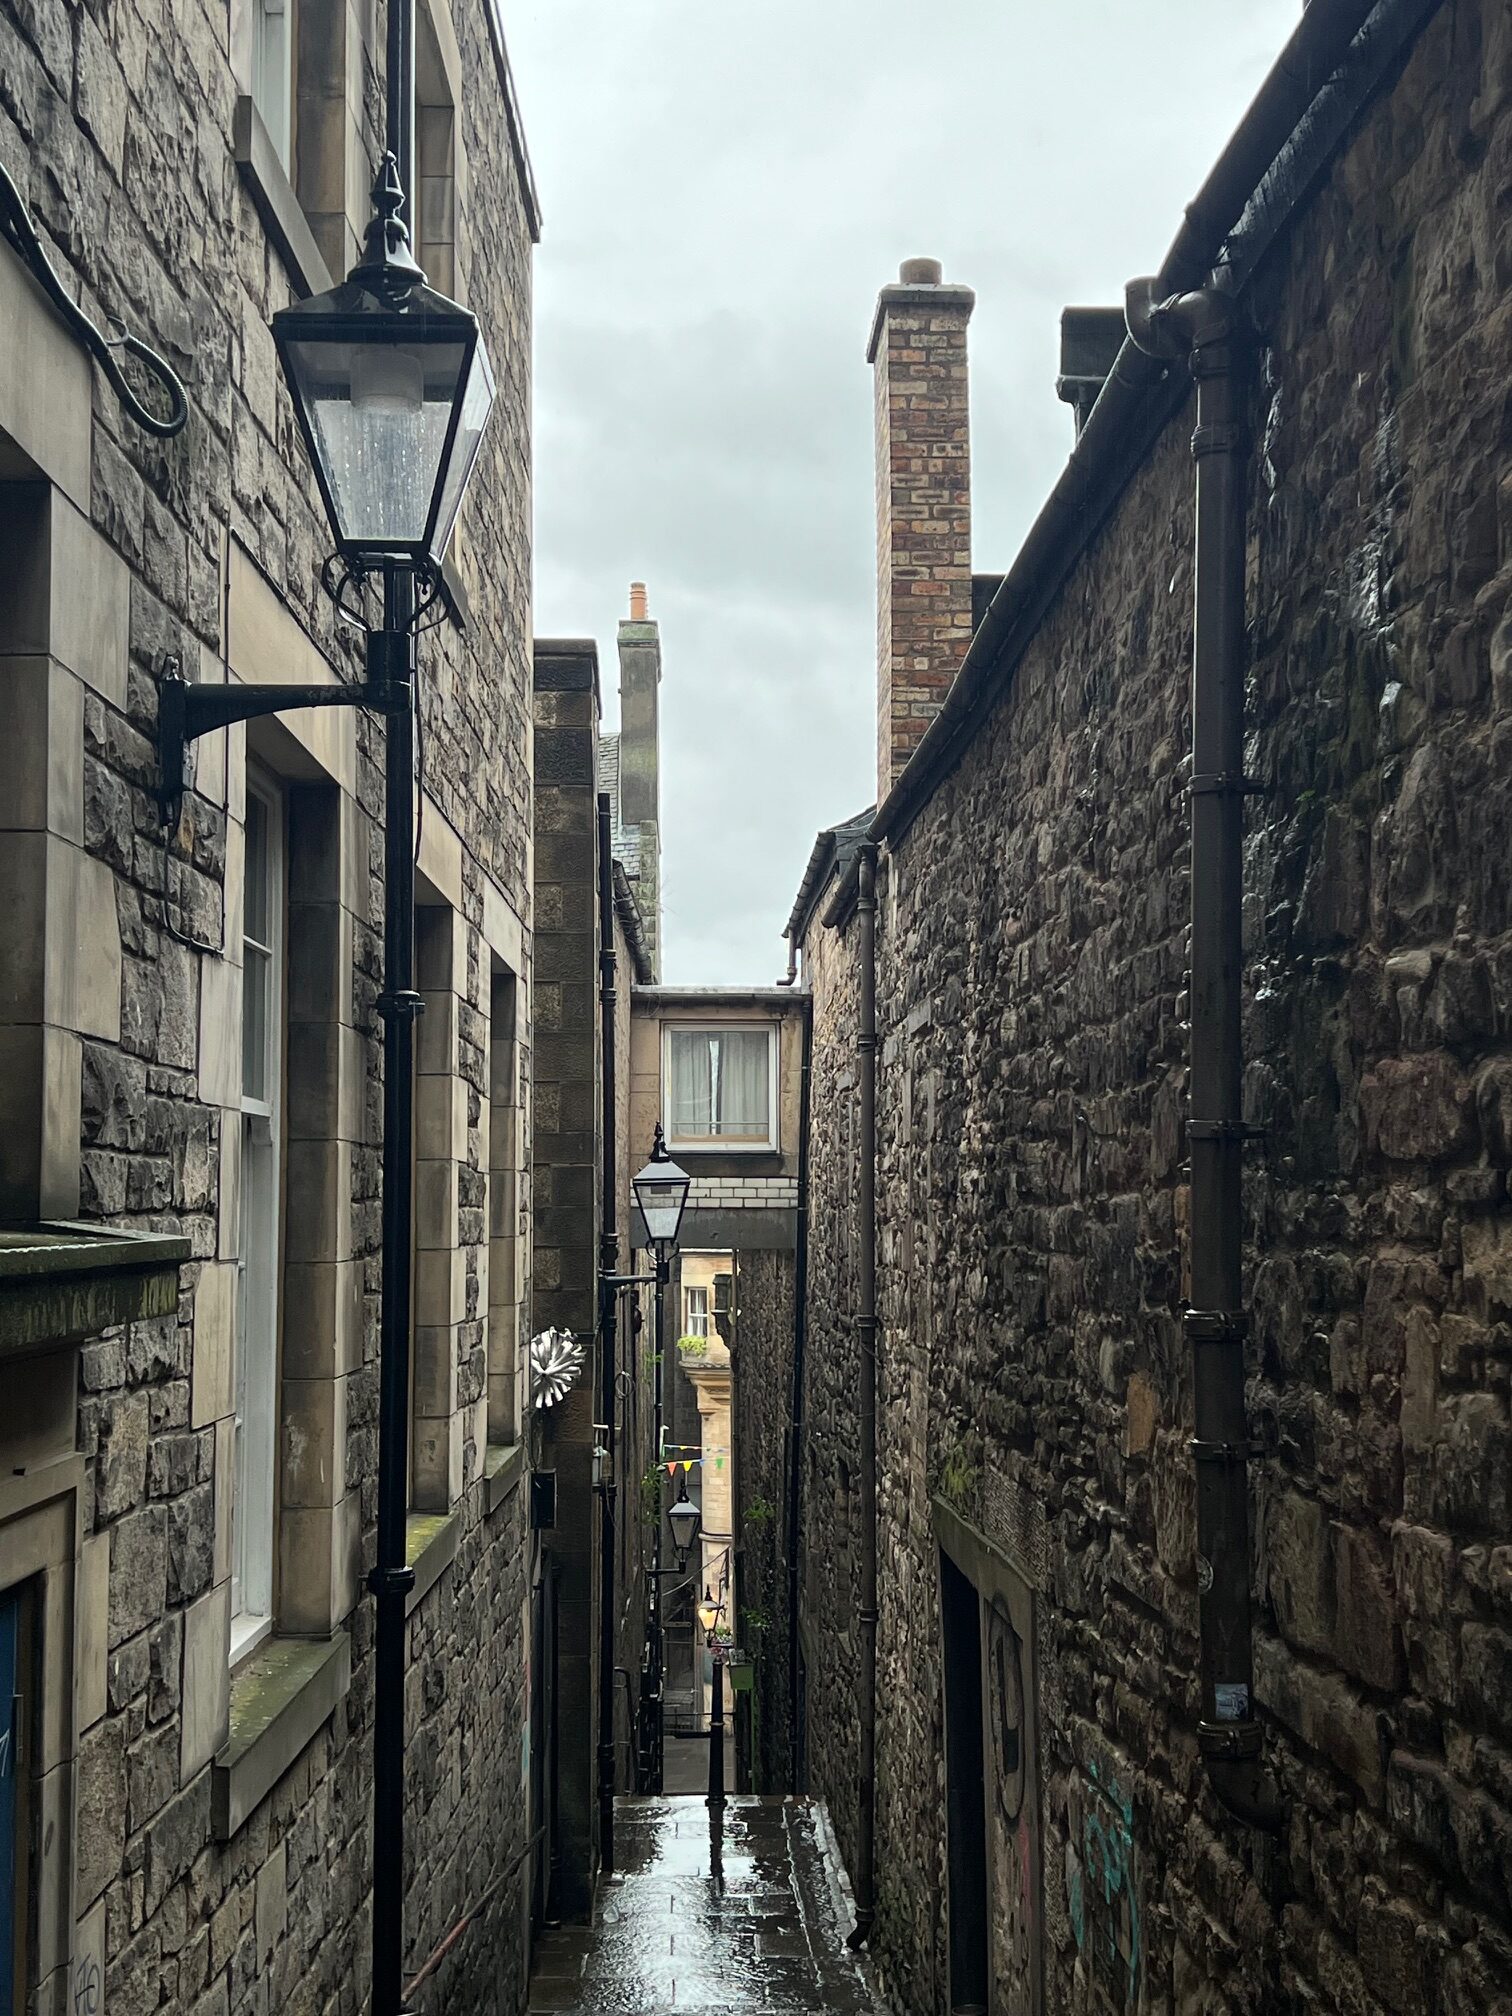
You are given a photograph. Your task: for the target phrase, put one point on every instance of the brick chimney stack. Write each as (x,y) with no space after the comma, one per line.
(918,354)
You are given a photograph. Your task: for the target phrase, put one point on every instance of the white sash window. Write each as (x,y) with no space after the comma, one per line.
(261,1186)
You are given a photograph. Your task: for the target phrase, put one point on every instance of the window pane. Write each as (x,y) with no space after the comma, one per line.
(256,987)
(742,1110)
(271,51)
(255,923)
(692,1084)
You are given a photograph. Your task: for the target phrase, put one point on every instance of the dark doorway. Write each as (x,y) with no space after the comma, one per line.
(965,1805)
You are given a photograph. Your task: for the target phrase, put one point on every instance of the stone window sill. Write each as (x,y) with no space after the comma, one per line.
(503,1467)
(61,1283)
(279,1700)
(272,192)
(430,1544)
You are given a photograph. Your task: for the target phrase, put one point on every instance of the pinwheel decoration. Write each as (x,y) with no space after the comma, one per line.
(556,1358)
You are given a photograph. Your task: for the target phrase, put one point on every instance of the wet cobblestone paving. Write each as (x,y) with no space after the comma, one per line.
(703,1919)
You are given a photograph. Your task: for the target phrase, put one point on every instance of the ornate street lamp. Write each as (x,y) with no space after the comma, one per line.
(393,390)
(392,385)
(684,1518)
(661,1191)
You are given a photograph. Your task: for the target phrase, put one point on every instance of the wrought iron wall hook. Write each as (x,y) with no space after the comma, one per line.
(22,235)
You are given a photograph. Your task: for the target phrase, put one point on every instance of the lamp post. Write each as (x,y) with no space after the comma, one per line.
(393,390)
(661,1192)
(708,1616)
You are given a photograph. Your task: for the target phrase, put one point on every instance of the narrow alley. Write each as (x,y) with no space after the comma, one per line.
(701,1915)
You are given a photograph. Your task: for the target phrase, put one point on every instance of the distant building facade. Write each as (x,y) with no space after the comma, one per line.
(721,1070)
(629,768)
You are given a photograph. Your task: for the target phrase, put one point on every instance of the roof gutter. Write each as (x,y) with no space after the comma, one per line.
(1338,53)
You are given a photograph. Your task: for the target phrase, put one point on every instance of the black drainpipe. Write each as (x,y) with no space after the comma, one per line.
(866,1337)
(1206,324)
(607,1326)
(795,1408)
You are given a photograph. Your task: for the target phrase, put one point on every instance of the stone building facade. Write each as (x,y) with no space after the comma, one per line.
(189,1049)
(571,1130)
(1047,1835)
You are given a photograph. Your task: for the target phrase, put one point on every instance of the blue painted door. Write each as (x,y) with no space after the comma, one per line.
(10,1648)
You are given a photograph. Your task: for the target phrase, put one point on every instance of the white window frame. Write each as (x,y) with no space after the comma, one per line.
(273,74)
(258,1267)
(715,1144)
(697,1319)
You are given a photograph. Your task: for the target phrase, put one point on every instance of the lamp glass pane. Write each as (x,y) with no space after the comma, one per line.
(683,1518)
(661,1207)
(477,404)
(379,412)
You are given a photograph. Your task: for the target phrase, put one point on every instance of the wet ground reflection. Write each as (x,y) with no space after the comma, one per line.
(706,1918)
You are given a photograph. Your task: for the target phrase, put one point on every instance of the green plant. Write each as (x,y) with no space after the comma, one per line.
(759,1512)
(650,1495)
(754,1623)
(693,1347)
(960,1475)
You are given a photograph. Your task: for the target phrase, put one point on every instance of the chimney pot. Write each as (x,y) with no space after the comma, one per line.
(920,273)
(637,602)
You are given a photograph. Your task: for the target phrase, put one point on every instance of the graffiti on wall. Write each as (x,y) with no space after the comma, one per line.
(1015,1930)
(1102,1890)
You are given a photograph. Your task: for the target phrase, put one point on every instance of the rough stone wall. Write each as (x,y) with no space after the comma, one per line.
(1032,1185)
(829,1587)
(762,1370)
(117,123)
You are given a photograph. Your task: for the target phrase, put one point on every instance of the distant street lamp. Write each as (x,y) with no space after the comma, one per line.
(661,1193)
(709,1613)
(684,1518)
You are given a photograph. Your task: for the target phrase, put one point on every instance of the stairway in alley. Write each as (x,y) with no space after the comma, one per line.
(704,1917)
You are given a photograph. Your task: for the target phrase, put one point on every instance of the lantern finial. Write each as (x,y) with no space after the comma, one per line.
(388,267)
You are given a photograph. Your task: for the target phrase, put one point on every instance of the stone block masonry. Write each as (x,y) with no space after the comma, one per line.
(762,1404)
(202,1837)
(1034,1378)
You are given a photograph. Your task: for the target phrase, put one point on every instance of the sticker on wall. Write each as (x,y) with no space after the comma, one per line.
(1230,1701)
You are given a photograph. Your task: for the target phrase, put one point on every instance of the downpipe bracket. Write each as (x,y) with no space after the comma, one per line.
(1227,784)
(390,1581)
(1225,1130)
(1215,1326)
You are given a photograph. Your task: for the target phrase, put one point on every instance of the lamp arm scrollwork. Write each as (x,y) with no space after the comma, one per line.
(21,233)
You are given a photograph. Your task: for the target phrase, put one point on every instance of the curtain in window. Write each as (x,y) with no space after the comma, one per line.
(692,1084)
(742,1107)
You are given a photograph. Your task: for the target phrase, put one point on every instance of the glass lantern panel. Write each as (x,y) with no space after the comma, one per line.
(477,404)
(661,1207)
(380,413)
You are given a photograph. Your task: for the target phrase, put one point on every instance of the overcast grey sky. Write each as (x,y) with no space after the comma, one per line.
(725,187)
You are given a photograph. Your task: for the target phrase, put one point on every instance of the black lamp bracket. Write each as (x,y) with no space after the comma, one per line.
(185,712)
